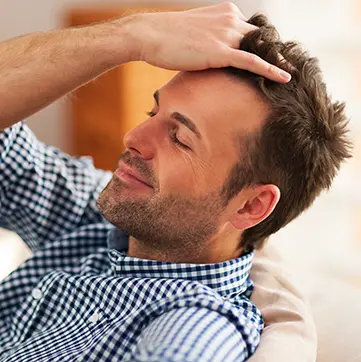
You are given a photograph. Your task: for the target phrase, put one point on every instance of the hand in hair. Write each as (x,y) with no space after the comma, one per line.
(198,39)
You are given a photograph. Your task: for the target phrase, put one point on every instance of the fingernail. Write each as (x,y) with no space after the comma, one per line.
(285,75)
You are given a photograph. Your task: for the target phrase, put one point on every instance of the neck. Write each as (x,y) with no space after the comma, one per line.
(224,246)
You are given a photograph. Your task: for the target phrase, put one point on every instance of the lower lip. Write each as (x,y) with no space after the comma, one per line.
(129,179)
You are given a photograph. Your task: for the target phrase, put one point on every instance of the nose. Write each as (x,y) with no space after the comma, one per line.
(140,141)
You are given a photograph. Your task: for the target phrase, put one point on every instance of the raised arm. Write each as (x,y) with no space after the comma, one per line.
(37,69)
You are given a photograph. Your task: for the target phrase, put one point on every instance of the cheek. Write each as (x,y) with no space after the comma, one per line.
(180,175)
(184,177)
(177,178)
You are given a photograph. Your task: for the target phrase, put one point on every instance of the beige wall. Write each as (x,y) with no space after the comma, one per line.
(20,16)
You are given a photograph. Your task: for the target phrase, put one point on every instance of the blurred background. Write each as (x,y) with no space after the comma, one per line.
(323,246)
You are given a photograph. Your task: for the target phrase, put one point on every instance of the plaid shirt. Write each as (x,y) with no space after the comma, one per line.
(81,298)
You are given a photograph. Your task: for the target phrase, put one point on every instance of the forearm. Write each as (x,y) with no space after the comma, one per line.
(36,69)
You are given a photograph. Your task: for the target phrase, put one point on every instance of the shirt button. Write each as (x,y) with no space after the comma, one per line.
(95,317)
(37,294)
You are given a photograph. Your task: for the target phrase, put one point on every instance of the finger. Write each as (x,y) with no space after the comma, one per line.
(236,10)
(253,63)
(245,28)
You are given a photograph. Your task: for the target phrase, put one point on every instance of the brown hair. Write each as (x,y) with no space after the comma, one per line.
(304,139)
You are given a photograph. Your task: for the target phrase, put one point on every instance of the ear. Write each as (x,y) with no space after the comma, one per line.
(260,202)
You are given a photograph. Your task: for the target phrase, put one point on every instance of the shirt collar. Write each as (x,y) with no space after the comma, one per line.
(229,278)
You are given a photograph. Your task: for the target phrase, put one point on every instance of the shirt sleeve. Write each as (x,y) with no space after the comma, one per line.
(190,334)
(44,192)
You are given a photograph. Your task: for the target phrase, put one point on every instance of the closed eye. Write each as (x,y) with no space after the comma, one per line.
(174,138)
(173,135)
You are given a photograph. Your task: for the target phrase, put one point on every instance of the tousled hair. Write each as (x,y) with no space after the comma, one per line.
(303,141)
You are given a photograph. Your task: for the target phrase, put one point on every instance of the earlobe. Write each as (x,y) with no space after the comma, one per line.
(261,202)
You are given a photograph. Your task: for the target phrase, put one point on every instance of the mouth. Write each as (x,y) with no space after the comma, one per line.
(131,176)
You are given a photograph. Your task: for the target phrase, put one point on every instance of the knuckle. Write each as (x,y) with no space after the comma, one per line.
(228,5)
(252,59)
(271,69)
(231,20)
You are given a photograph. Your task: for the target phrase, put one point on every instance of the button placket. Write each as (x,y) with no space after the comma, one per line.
(37,294)
(94,317)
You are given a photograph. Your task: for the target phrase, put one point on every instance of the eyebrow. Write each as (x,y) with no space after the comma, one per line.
(180,118)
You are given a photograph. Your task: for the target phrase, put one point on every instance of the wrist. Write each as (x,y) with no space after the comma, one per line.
(111,43)
(128,29)
(120,43)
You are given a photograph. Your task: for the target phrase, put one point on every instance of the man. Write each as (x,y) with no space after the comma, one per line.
(225,160)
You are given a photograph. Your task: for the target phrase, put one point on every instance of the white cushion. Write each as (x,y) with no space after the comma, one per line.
(290,333)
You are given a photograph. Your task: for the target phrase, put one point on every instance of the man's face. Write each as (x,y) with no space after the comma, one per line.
(184,151)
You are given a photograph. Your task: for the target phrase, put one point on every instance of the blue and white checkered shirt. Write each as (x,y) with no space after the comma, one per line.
(81,298)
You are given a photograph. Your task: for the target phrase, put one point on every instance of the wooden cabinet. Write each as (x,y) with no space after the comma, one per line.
(106,108)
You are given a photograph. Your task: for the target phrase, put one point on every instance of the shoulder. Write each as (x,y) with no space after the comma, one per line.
(193,334)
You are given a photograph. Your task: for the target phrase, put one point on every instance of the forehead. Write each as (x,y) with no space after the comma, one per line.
(218,103)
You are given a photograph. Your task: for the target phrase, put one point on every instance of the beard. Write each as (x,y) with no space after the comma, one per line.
(172,223)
